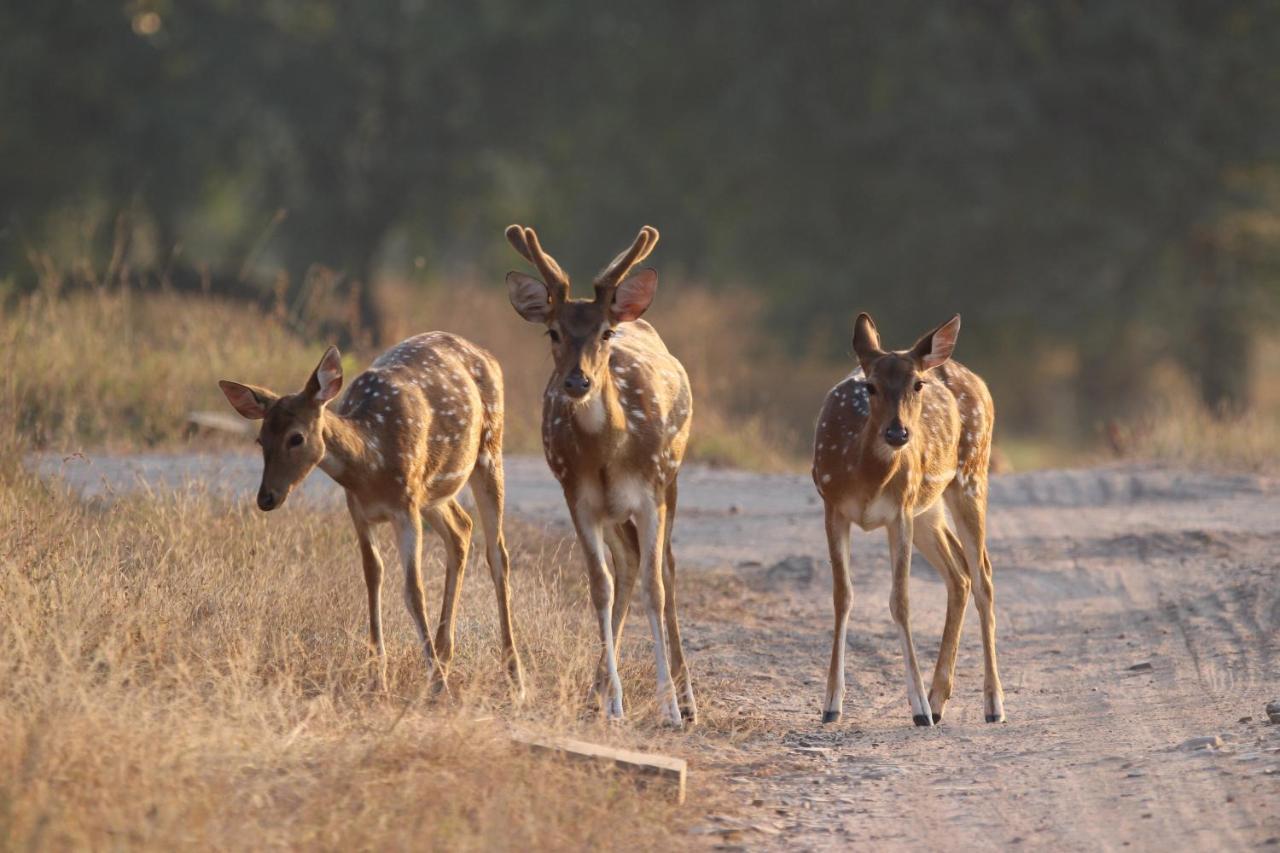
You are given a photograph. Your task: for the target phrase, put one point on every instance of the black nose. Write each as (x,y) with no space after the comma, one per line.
(577,383)
(896,435)
(266,500)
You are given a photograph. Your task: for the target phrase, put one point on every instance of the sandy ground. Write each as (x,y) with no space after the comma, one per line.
(1139,638)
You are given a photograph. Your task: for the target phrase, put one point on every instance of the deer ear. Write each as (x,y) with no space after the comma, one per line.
(529,297)
(326,379)
(935,348)
(866,340)
(633,296)
(250,401)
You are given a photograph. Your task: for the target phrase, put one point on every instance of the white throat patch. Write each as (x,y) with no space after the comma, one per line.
(590,415)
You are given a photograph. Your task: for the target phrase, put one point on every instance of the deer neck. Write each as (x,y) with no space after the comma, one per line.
(349,451)
(877,466)
(601,419)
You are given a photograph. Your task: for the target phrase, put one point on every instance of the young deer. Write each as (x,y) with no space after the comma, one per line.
(903,431)
(422,421)
(615,422)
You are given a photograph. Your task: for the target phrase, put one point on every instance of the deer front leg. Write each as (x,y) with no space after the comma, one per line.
(900,533)
(651,521)
(408,526)
(372,564)
(591,538)
(842,601)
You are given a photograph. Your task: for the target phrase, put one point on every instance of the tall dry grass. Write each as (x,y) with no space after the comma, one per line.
(119,368)
(179,673)
(1176,427)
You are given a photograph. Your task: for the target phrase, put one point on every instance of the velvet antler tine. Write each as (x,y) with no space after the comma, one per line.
(525,241)
(612,275)
(515,236)
(546,264)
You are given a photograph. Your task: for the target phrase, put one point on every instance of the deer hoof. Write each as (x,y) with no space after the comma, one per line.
(995,718)
(937,718)
(689,715)
(922,720)
(830,717)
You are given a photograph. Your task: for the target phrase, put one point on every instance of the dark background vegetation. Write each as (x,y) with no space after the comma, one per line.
(1093,185)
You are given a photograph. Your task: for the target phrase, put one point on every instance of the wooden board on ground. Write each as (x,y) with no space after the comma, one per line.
(665,769)
(218,422)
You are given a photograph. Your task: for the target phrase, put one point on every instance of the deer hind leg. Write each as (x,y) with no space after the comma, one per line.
(453,525)
(372,563)
(900,535)
(591,538)
(941,548)
(970,514)
(652,523)
(487,486)
(842,601)
(408,525)
(679,666)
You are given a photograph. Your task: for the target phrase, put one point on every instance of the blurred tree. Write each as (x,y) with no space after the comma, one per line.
(1058,171)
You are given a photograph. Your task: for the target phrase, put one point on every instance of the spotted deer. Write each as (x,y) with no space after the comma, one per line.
(615,423)
(423,421)
(907,433)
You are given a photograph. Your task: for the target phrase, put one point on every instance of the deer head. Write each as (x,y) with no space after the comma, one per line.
(292,436)
(895,379)
(580,329)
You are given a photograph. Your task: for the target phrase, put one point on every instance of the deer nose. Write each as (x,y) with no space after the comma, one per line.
(896,435)
(577,383)
(266,500)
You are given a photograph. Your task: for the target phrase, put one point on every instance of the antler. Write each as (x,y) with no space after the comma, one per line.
(612,275)
(525,241)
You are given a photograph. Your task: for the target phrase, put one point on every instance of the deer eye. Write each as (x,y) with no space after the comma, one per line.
(554,335)
(871,390)
(295,440)
(919,384)
(606,334)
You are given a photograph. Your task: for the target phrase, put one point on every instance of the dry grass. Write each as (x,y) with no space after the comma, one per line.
(180,673)
(119,368)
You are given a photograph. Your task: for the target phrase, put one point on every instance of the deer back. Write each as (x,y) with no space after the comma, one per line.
(429,409)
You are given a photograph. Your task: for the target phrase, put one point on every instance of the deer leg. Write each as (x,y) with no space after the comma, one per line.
(842,601)
(372,563)
(408,526)
(624,547)
(453,525)
(487,485)
(684,680)
(651,523)
(941,548)
(900,534)
(970,514)
(591,538)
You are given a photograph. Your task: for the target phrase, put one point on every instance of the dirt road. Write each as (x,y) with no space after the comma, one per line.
(1139,633)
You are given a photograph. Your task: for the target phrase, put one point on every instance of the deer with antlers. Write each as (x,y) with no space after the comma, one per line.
(423,421)
(615,423)
(906,434)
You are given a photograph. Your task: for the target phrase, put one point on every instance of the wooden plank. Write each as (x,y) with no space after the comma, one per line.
(648,767)
(218,422)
